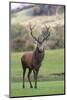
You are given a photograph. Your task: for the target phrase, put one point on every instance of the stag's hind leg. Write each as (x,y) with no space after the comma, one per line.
(24,70)
(30,70)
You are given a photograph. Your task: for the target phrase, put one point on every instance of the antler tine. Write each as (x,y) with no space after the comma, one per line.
(48,34)
(31,27)
(45,26)
(45,38)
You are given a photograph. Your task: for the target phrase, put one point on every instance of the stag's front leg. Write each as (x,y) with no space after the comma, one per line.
(35,77)
(29,78)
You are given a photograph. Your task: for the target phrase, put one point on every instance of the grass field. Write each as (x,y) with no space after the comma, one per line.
(52,65)
(44,88)
(50,78)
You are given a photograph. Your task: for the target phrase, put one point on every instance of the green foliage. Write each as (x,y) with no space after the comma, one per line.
(21,39)
(56,39)
(18,44)
(18,30)
(59,31)
(29,47)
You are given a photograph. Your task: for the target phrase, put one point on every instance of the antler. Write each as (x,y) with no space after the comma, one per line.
(46,33)
(31,27)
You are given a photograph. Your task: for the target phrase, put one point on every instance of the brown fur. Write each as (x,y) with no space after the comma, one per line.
(33,60)
(27,59)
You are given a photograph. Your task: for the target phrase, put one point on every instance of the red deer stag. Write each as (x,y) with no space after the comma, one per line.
(33,60)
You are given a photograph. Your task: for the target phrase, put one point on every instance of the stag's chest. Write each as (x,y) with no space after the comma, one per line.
(38,58)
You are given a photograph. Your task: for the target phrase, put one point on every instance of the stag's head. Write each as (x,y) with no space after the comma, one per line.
(41,38)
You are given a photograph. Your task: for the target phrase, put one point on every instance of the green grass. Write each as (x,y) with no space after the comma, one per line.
(53,63)
(50,77)
(44,88)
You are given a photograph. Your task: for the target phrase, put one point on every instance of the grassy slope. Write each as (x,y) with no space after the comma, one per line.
(23,17)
